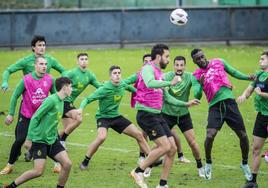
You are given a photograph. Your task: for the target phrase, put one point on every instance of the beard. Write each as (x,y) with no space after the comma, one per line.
(162,64)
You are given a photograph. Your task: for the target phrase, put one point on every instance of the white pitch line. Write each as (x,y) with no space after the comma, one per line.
(7,134)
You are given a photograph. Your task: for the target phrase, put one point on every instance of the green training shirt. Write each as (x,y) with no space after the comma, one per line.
(181,91)
(80,80)
(109,96)
(44,123)
(19,91)
(261,103)
(26,64)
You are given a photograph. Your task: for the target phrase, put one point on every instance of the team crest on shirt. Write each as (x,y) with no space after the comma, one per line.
(154,133)
(117,98)
(39,153)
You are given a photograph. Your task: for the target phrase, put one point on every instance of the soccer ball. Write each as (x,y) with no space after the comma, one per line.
(178,17)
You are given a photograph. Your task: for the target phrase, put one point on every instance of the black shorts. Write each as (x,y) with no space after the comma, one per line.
(184,122)
(67,107)
(225,111)
(41,150)
(153,124)
(261,126)
(118,123)
(22,128)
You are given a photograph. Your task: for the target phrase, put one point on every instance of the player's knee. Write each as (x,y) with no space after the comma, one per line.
(166,147)
(101,138)
(139,136)
(38,172)
(173,149)
(67,165)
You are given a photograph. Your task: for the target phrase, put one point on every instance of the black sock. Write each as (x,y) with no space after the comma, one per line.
(64,136)
(254,178)
(59,186)
(198,163)
(86,160)
(12,185)
(138,170)
(163,182)
(142,154)
(180,155)
(245,161)
(208,161)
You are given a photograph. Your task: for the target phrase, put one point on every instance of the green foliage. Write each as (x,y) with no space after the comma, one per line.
(118,155)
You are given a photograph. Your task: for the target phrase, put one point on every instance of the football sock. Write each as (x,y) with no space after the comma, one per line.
(162,182)
(142,154)
(138,170)
(208,161)
(199,163)
(254,178)
(180,155)
(86,160)
(244,161)
(64,136)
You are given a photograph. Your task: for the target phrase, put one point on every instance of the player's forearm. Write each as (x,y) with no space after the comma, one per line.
(172,100)
(5,76)
(235,73)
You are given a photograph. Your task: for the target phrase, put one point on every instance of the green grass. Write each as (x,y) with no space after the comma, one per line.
(110,167)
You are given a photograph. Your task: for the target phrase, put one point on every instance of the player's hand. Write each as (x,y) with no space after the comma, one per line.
(4,86)
(241,99)
(193,102)
(9,119)
(201,80)
(258,90)
(252,77)
(175,80)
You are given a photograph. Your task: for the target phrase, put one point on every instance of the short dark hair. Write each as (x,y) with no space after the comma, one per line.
(144,56)
(158,49)
(113,67)
(62,81)
(37,38)
(195,51)
(82,54)
(265,53)
(180,58)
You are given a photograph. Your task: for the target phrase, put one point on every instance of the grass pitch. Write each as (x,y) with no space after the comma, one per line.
(118,155)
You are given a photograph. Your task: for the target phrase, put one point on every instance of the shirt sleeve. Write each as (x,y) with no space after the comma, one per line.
(233,72)
(172,100)
(53,87)
(130,88)
(98,94)
(19,65)
(197,88)
(45,107)
(16,94)
(57,66)
(95,82)
(149,79)
(131,79)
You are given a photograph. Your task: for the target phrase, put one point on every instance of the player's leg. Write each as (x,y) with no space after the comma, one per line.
(58,153)
(132,131)
(235,121)
(93,146)
(73,120)
(39,155)
(20,136)
(167,162)
(186,126)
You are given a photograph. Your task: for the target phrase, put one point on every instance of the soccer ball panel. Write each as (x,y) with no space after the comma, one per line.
(179,17)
